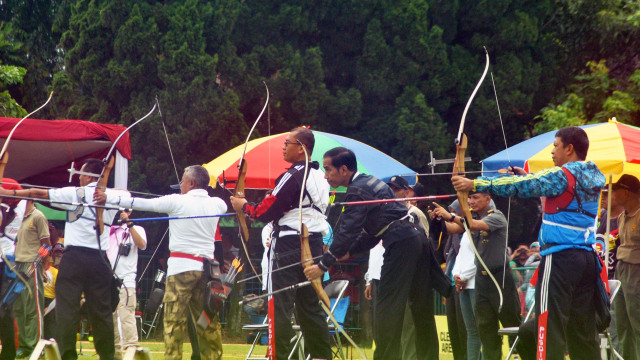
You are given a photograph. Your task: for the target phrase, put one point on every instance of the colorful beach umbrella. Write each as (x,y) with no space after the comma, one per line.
(265,162)
(613,146)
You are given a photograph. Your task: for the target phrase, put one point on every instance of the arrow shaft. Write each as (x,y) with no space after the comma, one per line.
(64,202)
(172,218)
(292,287)
(51,187)
(382,201)
(278,269)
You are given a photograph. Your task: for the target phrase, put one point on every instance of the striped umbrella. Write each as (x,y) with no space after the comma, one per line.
(265,162)
(613,146)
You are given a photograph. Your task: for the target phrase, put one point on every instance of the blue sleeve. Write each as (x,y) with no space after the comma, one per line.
(549,182)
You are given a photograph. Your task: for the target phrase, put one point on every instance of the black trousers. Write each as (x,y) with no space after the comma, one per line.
(488,318)
(82,270)
(564,301)
(457,329)
(7,330)
(50,325)
(406,276)
(309,314)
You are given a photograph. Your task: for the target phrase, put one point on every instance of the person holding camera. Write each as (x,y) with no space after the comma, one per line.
(124,242)
(84,267)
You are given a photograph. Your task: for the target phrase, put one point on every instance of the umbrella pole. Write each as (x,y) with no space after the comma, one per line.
(608,227)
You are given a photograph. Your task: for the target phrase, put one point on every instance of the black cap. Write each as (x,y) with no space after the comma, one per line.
(628,182)
(418,188)
(398,182)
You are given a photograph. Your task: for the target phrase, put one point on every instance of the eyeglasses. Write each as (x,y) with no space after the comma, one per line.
(287,143)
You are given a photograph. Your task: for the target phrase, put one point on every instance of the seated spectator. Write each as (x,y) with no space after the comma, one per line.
(51,274)
(518,259)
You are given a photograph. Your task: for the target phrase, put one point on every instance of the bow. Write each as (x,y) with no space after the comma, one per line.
(305,250)
(239,189)
(458,169)
(307,259)
(4,155)
(106,170)
(4,159)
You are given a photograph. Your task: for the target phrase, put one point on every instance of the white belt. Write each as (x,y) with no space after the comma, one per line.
(586,231)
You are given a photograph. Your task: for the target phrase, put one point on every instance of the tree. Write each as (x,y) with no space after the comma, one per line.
(31,23)
(9,74)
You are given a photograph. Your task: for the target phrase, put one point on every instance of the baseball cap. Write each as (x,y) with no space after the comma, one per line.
(398,182)
(58,247)
(11,184)
(628,182)
(418,188)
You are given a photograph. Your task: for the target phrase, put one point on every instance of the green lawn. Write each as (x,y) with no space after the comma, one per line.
(231,351)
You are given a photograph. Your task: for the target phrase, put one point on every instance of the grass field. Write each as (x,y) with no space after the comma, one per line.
(231,351)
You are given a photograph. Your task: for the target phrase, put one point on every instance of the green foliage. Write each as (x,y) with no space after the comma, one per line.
(9,107)
(394,74)
(9,74)
(595,97)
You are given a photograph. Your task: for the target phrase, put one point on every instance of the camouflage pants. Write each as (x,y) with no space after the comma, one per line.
(184,297)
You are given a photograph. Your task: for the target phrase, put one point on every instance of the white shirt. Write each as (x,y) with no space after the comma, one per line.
(8,241)
(318,189)
(189,236)
(81,232)
(266,236)
(465,267)
(375,262)
(127,266)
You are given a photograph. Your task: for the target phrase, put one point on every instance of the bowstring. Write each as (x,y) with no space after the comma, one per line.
(504,137)
(166,135)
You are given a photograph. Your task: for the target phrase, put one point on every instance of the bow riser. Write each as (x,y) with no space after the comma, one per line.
(100,187)
(307,260)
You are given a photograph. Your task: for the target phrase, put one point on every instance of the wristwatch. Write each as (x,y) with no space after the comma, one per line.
(453,217)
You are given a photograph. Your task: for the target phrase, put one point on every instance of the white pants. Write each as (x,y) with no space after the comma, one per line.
(124,322)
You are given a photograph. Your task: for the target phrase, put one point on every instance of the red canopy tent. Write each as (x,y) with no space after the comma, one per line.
(41,151)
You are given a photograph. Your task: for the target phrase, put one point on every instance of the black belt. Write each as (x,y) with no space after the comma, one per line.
(494,271)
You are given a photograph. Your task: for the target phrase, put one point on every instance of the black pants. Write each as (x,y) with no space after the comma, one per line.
(567,312)
(488,318)
(457,329)
(406,276)
(82,270)
(50,325)
(309,314)
(7,330)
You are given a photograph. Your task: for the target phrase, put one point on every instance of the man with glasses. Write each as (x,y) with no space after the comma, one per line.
(283,208)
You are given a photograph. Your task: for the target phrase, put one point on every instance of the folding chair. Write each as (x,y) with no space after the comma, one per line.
(259,329)
(335,291)
(152,312)
(48,347)
(605,337)
(614,286)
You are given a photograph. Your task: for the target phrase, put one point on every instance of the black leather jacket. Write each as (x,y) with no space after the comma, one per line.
(358,226)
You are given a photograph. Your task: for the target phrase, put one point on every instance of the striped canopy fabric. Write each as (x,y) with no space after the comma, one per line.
(265,162)
(613,146)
